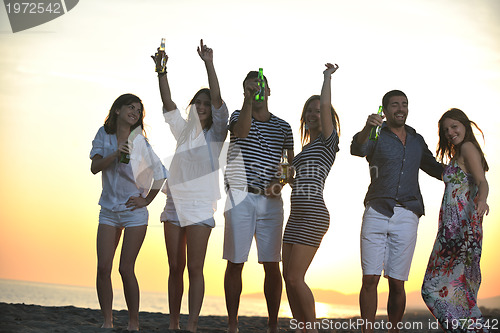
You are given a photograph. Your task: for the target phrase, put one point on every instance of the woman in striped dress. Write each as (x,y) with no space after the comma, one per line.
(309,218)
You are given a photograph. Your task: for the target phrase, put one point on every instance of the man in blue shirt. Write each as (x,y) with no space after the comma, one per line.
(393,204)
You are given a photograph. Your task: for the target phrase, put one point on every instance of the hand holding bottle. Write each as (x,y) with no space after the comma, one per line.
(375,121)
(160,58)
(124,149)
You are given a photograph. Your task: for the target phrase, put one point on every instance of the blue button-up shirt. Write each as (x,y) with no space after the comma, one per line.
(394,169)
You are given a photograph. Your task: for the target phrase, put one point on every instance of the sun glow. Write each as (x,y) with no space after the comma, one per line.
(58,81)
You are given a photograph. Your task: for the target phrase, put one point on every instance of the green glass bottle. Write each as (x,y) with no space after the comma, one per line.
(262,84)
(124,158)
(375,131)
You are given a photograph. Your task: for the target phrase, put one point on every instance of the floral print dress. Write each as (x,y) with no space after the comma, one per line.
(453,274)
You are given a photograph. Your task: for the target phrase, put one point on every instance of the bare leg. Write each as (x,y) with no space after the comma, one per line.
(175,241)
(232,288)
(273,286)
(396,303)
(132,241)
(107,241)
(298,260)
(197,240)
(292,299)
(368,300)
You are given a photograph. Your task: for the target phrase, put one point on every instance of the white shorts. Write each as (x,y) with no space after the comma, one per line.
(256,216)
(388,243)
(124,219)
(192,213)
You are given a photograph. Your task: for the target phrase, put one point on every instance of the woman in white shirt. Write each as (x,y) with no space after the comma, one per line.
(193,188)
(132,175)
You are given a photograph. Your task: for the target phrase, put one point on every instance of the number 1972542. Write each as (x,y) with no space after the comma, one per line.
(34,8)
(471,324)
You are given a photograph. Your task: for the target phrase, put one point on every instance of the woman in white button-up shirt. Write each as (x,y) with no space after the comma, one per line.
(193,188)
(131,177)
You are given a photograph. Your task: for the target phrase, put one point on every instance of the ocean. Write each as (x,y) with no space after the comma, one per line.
(46,294)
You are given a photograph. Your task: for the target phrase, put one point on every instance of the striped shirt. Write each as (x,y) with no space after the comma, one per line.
(253,161)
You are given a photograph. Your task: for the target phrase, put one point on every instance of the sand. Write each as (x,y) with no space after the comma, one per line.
(43,319)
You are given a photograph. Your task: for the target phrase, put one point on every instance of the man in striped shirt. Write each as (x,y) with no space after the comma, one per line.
(254,206)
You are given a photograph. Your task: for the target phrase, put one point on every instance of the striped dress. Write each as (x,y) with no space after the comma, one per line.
(309,218)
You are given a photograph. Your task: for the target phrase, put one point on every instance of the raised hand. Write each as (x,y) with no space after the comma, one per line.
(157,58)
(206,53)
(330,69)
(374,120)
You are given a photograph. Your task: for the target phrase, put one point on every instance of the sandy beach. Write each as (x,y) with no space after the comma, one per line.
(42,319)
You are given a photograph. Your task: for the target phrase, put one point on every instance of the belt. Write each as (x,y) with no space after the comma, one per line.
(255,190)
(249,189)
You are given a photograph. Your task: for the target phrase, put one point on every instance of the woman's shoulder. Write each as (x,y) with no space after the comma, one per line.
(101,132)
(469,150)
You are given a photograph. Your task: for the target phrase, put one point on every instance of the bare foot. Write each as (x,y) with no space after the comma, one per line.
(232,329)
(192,326)
(107,325)
(174,323)
(272,328)
(133,328)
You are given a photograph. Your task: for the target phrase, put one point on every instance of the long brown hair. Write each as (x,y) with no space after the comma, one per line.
(110,124)
(304,132)
(192,118)
(445,149)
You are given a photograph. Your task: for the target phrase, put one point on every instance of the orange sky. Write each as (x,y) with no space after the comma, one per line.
(57,82)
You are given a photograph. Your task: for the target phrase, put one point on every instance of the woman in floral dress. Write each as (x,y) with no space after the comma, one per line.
(453,274)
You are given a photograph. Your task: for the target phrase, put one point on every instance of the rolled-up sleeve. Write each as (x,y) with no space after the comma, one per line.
(429,164)
(98,144)
(175,121)
(361,150)
(220,117)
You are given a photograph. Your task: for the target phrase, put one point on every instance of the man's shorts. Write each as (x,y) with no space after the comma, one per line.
(248,215)
(124,219)
(388,243)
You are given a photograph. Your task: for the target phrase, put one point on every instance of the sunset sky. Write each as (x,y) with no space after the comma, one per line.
(58,81)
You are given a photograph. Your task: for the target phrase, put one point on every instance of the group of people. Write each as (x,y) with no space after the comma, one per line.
(132,176)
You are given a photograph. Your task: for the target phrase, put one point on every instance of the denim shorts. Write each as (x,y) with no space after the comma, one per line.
(124,219)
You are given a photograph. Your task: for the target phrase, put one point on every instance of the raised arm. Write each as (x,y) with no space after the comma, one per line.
(372,121)
(166,97)
(472,160)
(242,126)
(325,102)
(206,54)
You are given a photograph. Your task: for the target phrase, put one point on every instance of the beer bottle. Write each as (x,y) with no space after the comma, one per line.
(262,84)
(124,157)
(375,131)
(162,66)
(284,168)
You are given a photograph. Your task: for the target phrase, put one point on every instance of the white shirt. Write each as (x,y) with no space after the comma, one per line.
(121,181)
(195,165)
